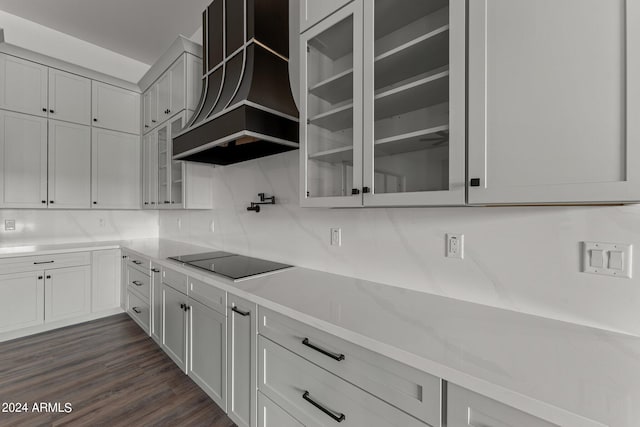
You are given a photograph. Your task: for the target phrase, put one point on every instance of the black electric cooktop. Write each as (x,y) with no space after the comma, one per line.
(230,265)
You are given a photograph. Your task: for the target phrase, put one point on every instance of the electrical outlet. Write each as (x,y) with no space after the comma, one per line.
(336,237)
(101,222)
(455,245)
(9,225)
(212,226)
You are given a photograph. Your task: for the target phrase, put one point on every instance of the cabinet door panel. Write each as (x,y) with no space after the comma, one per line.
(156,304)
(69,165)
(115,170)
(150,170)
(21,300)
(549,120)
(105,281)
(174,326)
(208,351)
(164,97)
(194,82)
(177,95)
(23,157)
(271,415)
(242,358)
(115,108)
(23,86)
(67,293)
(69,97)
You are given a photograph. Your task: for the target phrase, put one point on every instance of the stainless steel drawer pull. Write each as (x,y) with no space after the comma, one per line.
(240,312)
(135,282)
(44,262)
(136,309)
(334,356)
(136,262)
(339,418)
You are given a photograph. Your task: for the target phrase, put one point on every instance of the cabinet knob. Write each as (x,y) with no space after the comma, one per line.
(95,120)
(153,121)
(475,182)
(44,110)
(146,126)
(146,203)
(366,190)
(355,191)
(44,202)
(51,202)
(48,276)
(51,111)
(95,203)
(39,277)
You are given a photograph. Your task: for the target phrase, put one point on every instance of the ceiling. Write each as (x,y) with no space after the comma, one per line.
(139,29)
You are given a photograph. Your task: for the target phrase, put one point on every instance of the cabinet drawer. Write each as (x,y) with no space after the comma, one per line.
(140,263)
(138,310)
(409,389)
(271,415)
(139,282)
(44,262)
(317,397)
(466,408)
(177,281)
(208,295)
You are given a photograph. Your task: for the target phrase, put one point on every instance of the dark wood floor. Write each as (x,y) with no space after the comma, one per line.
(110,371)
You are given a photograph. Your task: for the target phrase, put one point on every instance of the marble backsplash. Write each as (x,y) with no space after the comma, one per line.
(70,226)
(526,259)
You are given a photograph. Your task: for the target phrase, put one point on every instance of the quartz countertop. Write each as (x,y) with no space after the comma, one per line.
(568,374)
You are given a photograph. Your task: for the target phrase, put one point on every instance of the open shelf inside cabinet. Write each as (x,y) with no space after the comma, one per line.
(430,90)
(335,89)
(392,15)
(336,119)
(337,42)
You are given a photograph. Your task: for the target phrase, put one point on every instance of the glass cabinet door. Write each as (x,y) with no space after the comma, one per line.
(414,102)
(331,110)
(176,166)
(163,167)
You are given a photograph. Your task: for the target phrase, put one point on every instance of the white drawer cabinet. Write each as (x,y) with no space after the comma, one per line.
(115,108)
(178,281)
(139,282)
(21,300)
(271,415)
(409,389)
(318,398)
(208,295)
(41,262)
(67,293)
(468,409)
(23,86)
(139,310)
(242,355)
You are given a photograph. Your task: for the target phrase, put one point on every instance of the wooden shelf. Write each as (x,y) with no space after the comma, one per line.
(418,56)
(413,96)
(334,120)
(338,88)
(434,137)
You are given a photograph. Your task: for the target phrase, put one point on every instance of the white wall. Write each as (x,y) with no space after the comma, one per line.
(38,38)
(56,226)
(525,259)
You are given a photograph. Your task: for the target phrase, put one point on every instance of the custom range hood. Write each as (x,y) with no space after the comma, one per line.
(246,109)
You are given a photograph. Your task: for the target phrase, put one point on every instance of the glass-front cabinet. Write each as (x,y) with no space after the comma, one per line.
(383,117)
(170,172)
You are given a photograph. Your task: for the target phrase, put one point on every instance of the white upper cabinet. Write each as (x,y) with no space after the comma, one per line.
(23,160)
(164,97)
(69,169)
(150,171)
(115,108)
(69,97)
(314,11)
(554,100)
(177,92)
(23,86)
(115,170)
(150,106)
(193,81)
(383,105)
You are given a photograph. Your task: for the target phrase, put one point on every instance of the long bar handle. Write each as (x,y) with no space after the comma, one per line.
(338,418)
(334,356)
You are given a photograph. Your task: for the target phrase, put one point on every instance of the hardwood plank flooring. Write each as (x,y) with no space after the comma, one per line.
(111,373)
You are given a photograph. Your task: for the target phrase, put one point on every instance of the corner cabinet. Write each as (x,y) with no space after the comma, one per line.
(383,105)
(553,114)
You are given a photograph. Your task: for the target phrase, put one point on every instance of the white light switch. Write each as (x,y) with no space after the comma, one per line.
(9,225)
(608,259)
(336,237)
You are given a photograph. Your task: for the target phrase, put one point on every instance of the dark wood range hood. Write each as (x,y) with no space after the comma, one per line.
(246,109)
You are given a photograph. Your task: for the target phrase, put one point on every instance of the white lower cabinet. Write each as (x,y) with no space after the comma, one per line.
(468,409)
(174,325)
(207,351)
(242,356)
(139,310)
(317,397)
(105,281)
(67,293)
(21,300)
(271,415)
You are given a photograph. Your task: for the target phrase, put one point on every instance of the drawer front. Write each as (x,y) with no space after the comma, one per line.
(139,282)
(317,397)
(138,310)
(409,389)
(468,409)
(177,281)
(209,295)
(271,415)
(44,262)
(138,262)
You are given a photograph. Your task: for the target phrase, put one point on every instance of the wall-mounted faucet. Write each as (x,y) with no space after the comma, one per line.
(264,200)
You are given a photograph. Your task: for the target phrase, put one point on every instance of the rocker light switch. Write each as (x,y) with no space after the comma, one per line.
(607,259)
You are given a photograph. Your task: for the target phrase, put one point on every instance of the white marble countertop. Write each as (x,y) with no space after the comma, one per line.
(559,371)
